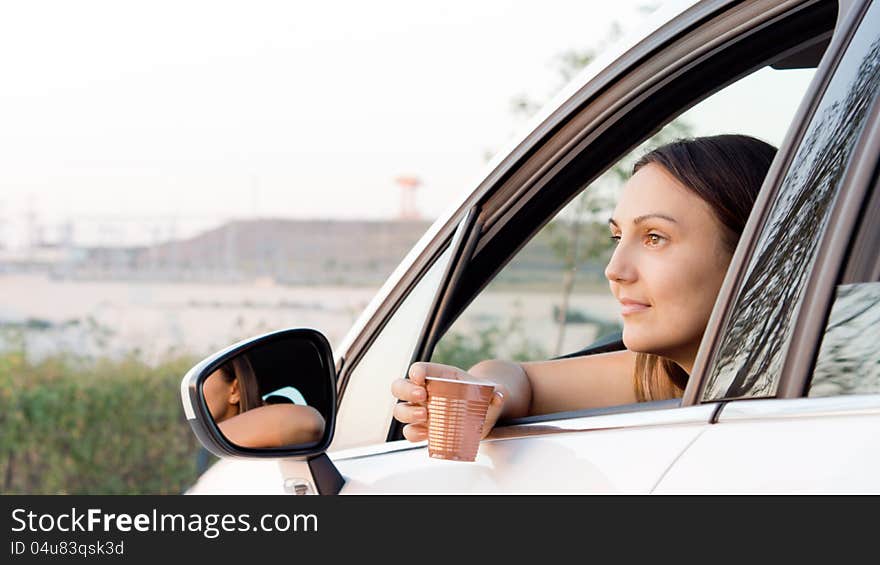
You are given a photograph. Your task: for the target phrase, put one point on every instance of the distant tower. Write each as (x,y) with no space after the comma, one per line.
(32,235)
(408,186)
(2,224)
(65,237)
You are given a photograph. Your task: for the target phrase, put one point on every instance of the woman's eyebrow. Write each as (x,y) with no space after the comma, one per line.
(640,219)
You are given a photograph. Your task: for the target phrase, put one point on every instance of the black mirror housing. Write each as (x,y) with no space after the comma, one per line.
(292,366)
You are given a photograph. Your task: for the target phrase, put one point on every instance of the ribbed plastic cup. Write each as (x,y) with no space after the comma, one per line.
(456,413)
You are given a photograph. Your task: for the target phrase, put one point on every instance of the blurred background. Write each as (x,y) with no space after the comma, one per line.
(176,176)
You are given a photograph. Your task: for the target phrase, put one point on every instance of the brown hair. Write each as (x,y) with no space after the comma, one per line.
(249,393)
(726,171)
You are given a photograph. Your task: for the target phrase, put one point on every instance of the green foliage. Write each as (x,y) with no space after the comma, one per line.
(465,350)
(71,425)
(575,242)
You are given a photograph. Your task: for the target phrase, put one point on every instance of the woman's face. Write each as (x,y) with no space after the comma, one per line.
(221,396)
(668,265)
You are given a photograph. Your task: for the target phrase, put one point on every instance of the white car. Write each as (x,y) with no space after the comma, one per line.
(785,393)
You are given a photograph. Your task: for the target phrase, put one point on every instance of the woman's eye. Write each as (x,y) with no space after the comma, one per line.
(615,238)
(653,239)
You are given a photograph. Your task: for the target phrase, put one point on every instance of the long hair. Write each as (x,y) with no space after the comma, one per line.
(249,393)
(726,171)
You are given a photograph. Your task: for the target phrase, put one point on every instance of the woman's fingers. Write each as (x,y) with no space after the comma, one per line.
(410,413)
(413,389)
(416,417)
(413,393)
(494,412)
(418,371)
(415,432)
(408,391)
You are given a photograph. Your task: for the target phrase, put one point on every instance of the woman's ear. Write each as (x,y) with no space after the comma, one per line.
(234,393)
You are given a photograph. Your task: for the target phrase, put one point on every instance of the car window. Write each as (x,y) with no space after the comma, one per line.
(366,406)
(289,394)
(749,359)
(552,298)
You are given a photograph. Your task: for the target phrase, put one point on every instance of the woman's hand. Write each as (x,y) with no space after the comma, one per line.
(413,412)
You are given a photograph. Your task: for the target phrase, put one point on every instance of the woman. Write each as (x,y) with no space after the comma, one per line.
(234,402)
(676,225)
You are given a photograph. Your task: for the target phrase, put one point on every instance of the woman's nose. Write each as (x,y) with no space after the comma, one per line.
(619,268)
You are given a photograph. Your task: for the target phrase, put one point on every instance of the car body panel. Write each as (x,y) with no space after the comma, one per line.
(804,445)
(611,453)
(240,476)
(618,453)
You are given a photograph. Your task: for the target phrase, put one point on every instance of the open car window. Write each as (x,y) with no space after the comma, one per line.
(519,314)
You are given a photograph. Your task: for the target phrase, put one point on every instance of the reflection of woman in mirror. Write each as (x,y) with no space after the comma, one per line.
(234,401)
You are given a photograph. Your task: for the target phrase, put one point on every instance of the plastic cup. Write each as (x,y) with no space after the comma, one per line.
(456,413)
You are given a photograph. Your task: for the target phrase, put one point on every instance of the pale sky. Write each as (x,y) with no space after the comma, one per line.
(205,111)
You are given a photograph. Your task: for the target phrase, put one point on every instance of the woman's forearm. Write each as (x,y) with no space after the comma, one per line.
(299,424)
(274,425)
(512,381)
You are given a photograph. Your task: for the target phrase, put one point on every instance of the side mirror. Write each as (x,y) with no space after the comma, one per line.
(269,396)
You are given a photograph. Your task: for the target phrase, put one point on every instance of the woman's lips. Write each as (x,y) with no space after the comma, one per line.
(628,307)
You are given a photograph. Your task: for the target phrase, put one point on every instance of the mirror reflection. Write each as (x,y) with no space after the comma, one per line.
(260,398)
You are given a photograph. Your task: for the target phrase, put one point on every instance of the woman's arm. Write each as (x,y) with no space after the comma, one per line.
(524,389)
(274,425)
(560,385)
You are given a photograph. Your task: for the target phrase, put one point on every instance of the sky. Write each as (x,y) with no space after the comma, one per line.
(140,121)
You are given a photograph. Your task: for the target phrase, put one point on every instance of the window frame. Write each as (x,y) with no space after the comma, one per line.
(396,298)
(863,262)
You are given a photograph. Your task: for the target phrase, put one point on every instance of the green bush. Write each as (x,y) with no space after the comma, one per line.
(71,425)
(489,342)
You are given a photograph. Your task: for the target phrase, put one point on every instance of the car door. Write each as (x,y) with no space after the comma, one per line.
(616,449)
(801,401)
